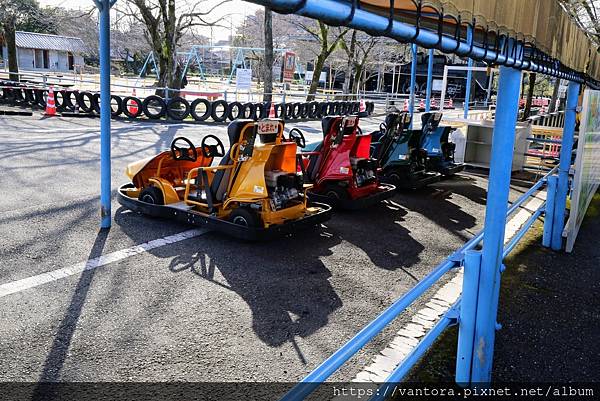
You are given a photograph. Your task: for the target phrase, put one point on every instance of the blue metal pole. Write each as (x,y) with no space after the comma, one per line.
(429,81)
(413,82)
(495,220)
(105,113)
(468,311)
(469,75)
(549,215)
(564,165)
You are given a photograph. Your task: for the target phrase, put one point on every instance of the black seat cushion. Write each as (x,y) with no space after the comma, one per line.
(327,123)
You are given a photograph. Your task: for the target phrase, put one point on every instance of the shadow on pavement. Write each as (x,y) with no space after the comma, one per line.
(62,340)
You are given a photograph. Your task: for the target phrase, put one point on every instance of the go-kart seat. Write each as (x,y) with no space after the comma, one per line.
(220,180)
(327,123)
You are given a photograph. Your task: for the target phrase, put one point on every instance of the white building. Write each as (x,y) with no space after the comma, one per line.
(42,52)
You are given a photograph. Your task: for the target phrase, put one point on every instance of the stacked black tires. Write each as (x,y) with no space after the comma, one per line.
(176,108)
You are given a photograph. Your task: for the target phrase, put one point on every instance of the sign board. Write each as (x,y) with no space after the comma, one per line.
(289,66)
(437,84)
(268,127)
(243,78)
(308,76)
(587,165)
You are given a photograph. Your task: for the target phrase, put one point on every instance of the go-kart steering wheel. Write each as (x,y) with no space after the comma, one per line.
(183,153)
(382,127)
(213,150)
(297,136)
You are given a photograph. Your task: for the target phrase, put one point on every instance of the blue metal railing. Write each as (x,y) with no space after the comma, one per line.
(320,374)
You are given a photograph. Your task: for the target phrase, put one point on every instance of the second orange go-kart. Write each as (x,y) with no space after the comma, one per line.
(339,167)
(254,193)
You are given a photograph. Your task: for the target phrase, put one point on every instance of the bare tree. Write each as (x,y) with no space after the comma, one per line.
(268,64)
(165,25)
(328,39)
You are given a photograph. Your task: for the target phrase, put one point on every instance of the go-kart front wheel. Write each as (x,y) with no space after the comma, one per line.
(152,195)
(245,217)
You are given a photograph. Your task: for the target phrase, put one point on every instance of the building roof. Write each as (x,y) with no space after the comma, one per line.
(32,40)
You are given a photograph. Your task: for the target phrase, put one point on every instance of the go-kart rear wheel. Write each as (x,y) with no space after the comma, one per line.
(336,192)
(152,195)
(245,217)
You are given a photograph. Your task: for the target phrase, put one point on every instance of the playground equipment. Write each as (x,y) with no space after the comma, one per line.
(436,142)
(398,151)
(340,167)
(254,193)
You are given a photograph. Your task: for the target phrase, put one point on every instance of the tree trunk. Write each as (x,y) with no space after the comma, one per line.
(268,64)
(11,46)
(314,84)
(552,107)
(527,111)
(348,73)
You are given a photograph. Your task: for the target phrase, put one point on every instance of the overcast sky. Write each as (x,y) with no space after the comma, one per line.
(238,9)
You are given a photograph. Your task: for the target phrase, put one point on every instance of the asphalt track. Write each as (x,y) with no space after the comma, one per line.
(207,308)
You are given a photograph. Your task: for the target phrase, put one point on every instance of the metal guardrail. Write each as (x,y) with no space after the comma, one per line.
(312,381)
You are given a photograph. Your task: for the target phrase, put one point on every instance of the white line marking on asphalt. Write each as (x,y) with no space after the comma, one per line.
(43,278)
(409,336)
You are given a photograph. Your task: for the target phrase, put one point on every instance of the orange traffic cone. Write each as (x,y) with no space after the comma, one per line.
(450,104)
(362,108)
(433,103)
(50,105)
(272,111)
(405,105)
(132,106)
(422,104)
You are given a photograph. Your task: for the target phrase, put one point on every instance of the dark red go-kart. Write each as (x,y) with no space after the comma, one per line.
(339,167)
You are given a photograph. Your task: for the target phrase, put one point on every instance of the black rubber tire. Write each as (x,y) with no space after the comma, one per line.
(60,104)
(119,106)
(68,100)
(154,99)
(249,111)
(235,110)
(152,195)
(262,110)
(178,114)
(303,110)
(289,111)
(30,97)
(40,100)
(214,111)
(279,110)
(83,106)
(370,108)
(245,217)
(322,110)
(138,103)
(96,102)
(207,109)
(313,109)
(296,110)
(342,108)
(335,192)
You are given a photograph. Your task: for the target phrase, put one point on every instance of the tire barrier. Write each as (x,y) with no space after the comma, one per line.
(85,101)
(150,106)
(214,113)
(194,109)
(235,110)
(177,108)
(132,112)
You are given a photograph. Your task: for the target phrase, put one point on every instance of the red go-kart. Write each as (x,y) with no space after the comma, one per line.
(339,167)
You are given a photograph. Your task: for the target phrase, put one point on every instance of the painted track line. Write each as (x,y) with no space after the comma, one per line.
(43,278)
